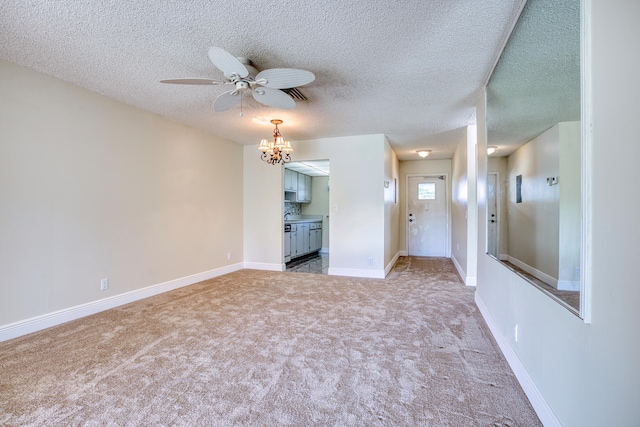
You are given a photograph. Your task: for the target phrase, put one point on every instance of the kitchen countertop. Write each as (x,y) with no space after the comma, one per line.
(296,219)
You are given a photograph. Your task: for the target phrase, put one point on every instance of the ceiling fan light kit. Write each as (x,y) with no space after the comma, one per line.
(265,86)
(423,153)
(277,150)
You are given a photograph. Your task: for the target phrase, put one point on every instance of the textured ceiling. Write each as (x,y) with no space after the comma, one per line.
(536,82)
(411,69)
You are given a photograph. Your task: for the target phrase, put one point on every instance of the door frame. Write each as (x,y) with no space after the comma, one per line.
(498,191)
(447,189)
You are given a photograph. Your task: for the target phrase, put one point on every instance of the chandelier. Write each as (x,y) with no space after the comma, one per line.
(276,151)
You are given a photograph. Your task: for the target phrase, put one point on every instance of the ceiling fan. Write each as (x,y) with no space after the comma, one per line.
(264,86)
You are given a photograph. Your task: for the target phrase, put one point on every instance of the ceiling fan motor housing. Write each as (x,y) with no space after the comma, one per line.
(242,85)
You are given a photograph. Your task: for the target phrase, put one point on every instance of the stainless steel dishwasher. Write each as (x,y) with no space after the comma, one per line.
(287,242)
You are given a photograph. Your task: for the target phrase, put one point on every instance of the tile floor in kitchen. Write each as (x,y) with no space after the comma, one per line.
(315,263)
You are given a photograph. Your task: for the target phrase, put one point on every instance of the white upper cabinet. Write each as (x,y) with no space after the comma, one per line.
(298,183)
(303,194)
(290,180)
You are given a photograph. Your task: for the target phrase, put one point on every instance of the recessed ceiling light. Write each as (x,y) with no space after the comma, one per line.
(423,153)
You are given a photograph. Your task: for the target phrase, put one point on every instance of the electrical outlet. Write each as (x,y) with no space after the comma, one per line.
(515,332)
(104,284)
(228,256)
(576,271)
(370,261)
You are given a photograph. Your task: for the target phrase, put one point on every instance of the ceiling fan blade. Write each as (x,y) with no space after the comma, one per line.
(284,78)
(193,82)
(226,100)
(273,98)
(227,63)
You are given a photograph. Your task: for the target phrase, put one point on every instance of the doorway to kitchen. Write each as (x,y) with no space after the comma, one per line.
(316,264)
(306,216)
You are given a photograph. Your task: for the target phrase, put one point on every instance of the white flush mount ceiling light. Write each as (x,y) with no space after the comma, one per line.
(277,150)
(423,153)
(491,149)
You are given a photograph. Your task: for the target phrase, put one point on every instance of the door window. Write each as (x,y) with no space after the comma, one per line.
(427,191)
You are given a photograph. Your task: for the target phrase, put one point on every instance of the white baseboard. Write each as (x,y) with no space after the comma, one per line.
(356,272)
(391,264)
(468,280)
(34,324)
(458,267)
(549,280)
(540,405)
(265,266)
(402,253)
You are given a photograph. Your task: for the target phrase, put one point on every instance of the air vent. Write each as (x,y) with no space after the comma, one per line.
(295,94)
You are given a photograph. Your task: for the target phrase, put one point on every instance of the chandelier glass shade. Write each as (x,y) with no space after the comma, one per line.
(277,150)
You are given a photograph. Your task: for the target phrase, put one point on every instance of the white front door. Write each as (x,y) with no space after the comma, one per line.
(427,216)
(492,214)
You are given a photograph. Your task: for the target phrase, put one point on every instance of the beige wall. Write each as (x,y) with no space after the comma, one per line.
(459,207)
(569,232)
(91,188)
(391,206)
(464,208)
(534,224)
(544,230)
(263,212)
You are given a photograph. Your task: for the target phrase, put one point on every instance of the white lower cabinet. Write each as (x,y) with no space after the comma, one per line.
(293,242)
(315,237)
(305,238)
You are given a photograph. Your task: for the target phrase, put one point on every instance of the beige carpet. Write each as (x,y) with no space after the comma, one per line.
(272,349)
